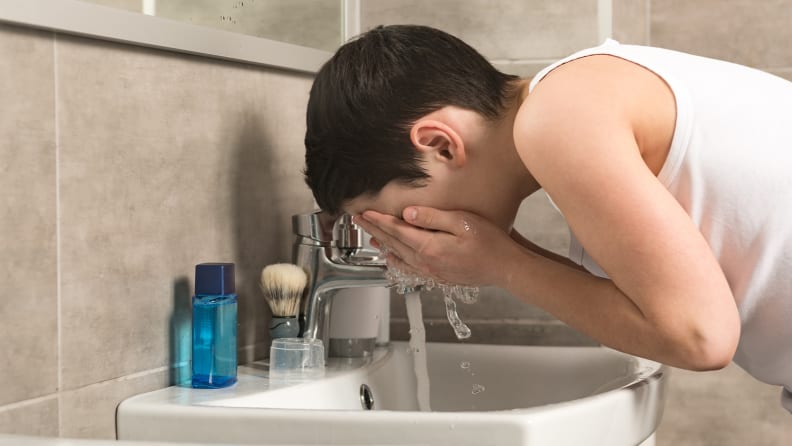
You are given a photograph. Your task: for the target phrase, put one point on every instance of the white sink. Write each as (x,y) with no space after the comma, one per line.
(531,396)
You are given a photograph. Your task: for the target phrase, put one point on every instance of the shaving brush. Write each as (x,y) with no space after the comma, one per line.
(283,285)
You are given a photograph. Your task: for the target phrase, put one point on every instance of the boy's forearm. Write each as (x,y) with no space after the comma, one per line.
(593,305)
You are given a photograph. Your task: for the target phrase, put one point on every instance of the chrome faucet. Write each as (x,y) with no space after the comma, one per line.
(334,256)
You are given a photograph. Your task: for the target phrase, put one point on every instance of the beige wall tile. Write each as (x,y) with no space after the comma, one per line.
(89,412)
(723,408)
(37,417)
(28,308)
(499,29)
(167,161)
(630,21)
(742,31)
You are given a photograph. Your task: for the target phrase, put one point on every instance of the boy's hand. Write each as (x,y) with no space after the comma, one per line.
(452,246)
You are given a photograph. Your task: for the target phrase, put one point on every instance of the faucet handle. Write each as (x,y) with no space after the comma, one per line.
(317,225)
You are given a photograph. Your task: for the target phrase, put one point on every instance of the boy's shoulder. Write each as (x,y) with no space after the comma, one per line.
(590,97)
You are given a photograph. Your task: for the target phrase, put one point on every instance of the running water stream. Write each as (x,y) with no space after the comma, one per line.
(418,348)
(408,285)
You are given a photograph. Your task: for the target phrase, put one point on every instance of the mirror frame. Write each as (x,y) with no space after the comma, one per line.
(103,22)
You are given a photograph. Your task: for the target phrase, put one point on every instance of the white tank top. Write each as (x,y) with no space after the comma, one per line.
(730,167)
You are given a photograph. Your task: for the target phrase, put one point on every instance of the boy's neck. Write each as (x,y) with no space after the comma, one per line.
(503,132)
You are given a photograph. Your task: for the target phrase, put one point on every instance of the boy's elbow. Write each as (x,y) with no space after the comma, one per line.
(711,349)
(714,356)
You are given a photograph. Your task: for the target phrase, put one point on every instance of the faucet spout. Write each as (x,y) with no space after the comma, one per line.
(334,257)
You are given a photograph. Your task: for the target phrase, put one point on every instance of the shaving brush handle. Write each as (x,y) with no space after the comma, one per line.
(284,327)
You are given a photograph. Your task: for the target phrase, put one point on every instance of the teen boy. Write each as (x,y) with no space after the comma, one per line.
(672,170)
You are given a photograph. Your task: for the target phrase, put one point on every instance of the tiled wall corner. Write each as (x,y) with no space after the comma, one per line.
(28,275)
(167,161)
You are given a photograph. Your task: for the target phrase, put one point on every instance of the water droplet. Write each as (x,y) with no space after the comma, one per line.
(477,388)
(462,331)
(466,225)
(464,364)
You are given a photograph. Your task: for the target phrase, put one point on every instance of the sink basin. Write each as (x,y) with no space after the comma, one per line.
(479,395)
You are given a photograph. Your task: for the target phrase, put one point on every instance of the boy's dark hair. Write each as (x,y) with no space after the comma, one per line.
(365,99)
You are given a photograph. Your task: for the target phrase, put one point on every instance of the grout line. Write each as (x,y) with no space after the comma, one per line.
(24,403)
(56,94)
(119,379)
(135,375)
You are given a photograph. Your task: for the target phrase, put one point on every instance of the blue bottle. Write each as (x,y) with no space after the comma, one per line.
(214,359)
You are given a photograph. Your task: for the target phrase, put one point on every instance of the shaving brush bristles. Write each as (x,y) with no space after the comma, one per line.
(283,285)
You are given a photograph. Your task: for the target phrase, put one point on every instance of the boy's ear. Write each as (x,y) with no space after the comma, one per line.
(438,141)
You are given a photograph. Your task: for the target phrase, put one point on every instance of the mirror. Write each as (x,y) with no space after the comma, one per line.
(311,23)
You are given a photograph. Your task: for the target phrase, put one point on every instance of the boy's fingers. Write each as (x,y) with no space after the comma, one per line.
(383,235)
(403,238)
(430,218)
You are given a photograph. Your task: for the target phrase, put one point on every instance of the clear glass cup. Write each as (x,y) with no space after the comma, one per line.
(294,360)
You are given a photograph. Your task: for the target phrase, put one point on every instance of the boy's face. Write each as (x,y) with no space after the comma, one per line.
(438,193)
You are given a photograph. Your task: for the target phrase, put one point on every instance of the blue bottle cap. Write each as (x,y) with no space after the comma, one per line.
(214,279)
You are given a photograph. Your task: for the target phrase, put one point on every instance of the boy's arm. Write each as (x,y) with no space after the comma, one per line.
(667,297)
(692,336)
